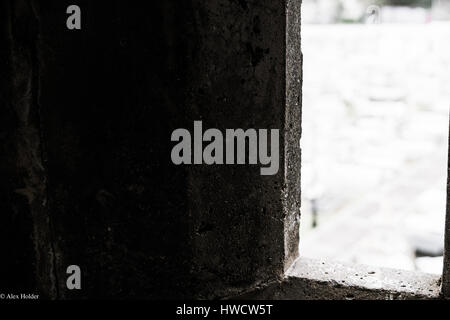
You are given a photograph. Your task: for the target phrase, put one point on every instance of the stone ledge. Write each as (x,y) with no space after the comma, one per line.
(309,279)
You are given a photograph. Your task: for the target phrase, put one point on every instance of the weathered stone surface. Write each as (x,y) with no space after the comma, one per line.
(292,164)
(316,280)
(26,238)
(87,121)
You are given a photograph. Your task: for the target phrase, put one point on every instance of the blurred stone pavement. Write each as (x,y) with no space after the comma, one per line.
(374,144)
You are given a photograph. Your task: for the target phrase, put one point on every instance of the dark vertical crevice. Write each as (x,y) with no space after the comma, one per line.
(30,179)
(36,73)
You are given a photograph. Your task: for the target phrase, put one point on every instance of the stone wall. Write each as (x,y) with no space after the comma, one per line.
(86,119)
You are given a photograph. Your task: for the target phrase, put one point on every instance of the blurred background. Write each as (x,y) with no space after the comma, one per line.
(376,95)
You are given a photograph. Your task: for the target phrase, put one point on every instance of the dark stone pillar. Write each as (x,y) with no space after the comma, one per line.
(87,117)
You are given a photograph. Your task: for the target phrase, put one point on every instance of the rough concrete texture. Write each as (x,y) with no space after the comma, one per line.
(86,122)
(26,238)
(292,150)
(316,280)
